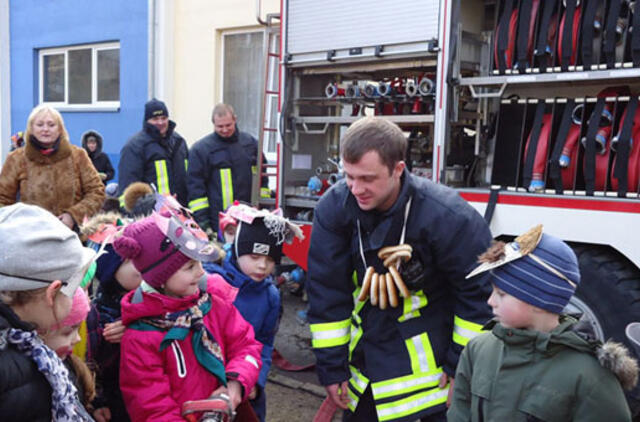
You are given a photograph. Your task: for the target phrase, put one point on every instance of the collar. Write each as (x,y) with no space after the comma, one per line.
(153,131)
(33,153)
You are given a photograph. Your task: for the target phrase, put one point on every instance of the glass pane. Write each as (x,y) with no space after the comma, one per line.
(109,75)
(244,78)
(53,77)
(80,76)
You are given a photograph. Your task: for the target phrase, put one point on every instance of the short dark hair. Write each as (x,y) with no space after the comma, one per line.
(222,110)
(374,134)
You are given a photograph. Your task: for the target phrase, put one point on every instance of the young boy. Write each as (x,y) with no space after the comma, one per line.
(256,250)
(536,364)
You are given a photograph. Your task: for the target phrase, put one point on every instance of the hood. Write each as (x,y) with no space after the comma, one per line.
(139,304)
(232,274)
(579,336)
(98,139)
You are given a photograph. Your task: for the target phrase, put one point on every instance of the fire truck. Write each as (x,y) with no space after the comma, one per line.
(529,108)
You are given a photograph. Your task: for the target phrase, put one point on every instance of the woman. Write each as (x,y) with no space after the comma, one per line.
(51,172)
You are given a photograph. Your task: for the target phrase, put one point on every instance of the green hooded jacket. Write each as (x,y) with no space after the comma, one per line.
(524,375)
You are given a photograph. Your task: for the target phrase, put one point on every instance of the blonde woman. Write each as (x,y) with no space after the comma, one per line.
(51,172)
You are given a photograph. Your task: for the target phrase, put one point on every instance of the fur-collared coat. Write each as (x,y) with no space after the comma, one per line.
(64,181)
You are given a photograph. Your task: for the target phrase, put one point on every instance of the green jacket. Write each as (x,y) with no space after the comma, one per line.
(523,375)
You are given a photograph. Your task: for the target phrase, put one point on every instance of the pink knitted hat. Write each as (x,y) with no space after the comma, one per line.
(158,246)
(79,310)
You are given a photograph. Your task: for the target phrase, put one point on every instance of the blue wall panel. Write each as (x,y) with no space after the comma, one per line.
(37,24)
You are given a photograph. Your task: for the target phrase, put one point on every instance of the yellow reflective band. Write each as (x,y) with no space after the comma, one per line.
(199,204)
(464,330)
(265,192)
(162,176)
(330,334)
(412,404)
(254,169)
(411,306)
(358,380)
(406,384)
(353,400)
(227,188)
(122,203)
(356,334)
(186,164)
(420,353)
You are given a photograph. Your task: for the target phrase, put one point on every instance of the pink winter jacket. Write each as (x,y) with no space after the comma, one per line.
(154,384)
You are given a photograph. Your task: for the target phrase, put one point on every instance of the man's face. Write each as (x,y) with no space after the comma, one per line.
(225,126)
(161,123)
(371,183)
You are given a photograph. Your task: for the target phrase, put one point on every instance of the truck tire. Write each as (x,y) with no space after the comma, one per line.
(609,298)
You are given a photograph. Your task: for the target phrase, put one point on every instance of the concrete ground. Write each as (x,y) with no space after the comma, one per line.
(294,396)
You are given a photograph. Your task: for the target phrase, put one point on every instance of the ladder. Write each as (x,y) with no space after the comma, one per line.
(269,112)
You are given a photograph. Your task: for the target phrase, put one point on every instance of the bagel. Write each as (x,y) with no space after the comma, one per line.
(397,279)
(366,284)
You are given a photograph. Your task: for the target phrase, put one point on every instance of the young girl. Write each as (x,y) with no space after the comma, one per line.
(61,338)
(182,342)
(35,294)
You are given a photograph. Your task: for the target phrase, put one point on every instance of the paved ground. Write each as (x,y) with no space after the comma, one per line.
(294,396)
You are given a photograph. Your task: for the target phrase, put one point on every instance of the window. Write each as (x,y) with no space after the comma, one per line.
(81,77)
(243,73)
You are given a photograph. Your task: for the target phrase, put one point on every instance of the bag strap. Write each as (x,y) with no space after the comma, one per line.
(530,156)
(590,149)
(620,171)
(554,166)
(609,49)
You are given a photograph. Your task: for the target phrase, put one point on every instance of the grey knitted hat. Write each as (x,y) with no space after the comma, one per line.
(38,249)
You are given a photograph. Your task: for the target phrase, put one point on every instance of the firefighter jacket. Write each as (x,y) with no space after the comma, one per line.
(400,352)
(162,161)
(524,375)
(220,171)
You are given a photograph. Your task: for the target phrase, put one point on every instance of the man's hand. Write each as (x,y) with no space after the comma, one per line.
(66,219)
(338,393)
(113,331)
(444,379)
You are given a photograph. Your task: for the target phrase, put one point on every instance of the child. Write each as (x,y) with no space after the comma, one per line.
(182,342)
(41,265)
(92,143)
(249,267)
(116,277)
(61,338)
(536,364)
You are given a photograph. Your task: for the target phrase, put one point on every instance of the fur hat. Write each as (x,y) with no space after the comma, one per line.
(139,199)
(154,108)
(158,246)
(536,267)
(38,249)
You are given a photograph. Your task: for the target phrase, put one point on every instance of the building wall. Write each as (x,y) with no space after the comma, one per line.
(197,54)
(37,24)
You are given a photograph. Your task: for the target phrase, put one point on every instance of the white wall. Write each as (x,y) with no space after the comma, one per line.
(193,86)
(5,86)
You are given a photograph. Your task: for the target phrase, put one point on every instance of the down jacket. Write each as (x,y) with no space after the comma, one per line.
(25,394)
(99,159)
(523,375)
(64,181)
(156,383)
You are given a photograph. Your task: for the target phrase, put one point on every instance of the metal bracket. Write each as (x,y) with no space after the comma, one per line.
(315,131)
(491,94)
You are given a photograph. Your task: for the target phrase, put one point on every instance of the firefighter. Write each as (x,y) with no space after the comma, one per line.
(156,155)
(381,355)
(221,168)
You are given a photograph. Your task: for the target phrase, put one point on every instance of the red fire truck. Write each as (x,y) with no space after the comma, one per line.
(527,107)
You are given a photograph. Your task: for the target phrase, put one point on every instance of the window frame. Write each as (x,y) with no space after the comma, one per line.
(95,105)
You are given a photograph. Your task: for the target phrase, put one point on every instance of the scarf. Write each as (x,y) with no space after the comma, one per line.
(44,149)
(65,405)
(179,324)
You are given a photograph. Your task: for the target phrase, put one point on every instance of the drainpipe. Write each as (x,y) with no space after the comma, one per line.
(5,79)
(259,13)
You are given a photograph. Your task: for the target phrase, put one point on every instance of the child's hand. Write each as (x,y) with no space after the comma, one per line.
(253,394)
(113,331)
(233,390)
(102,414)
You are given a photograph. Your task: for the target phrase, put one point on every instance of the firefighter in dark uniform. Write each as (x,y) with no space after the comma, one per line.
(377,360)
(221,166)
(156,155)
